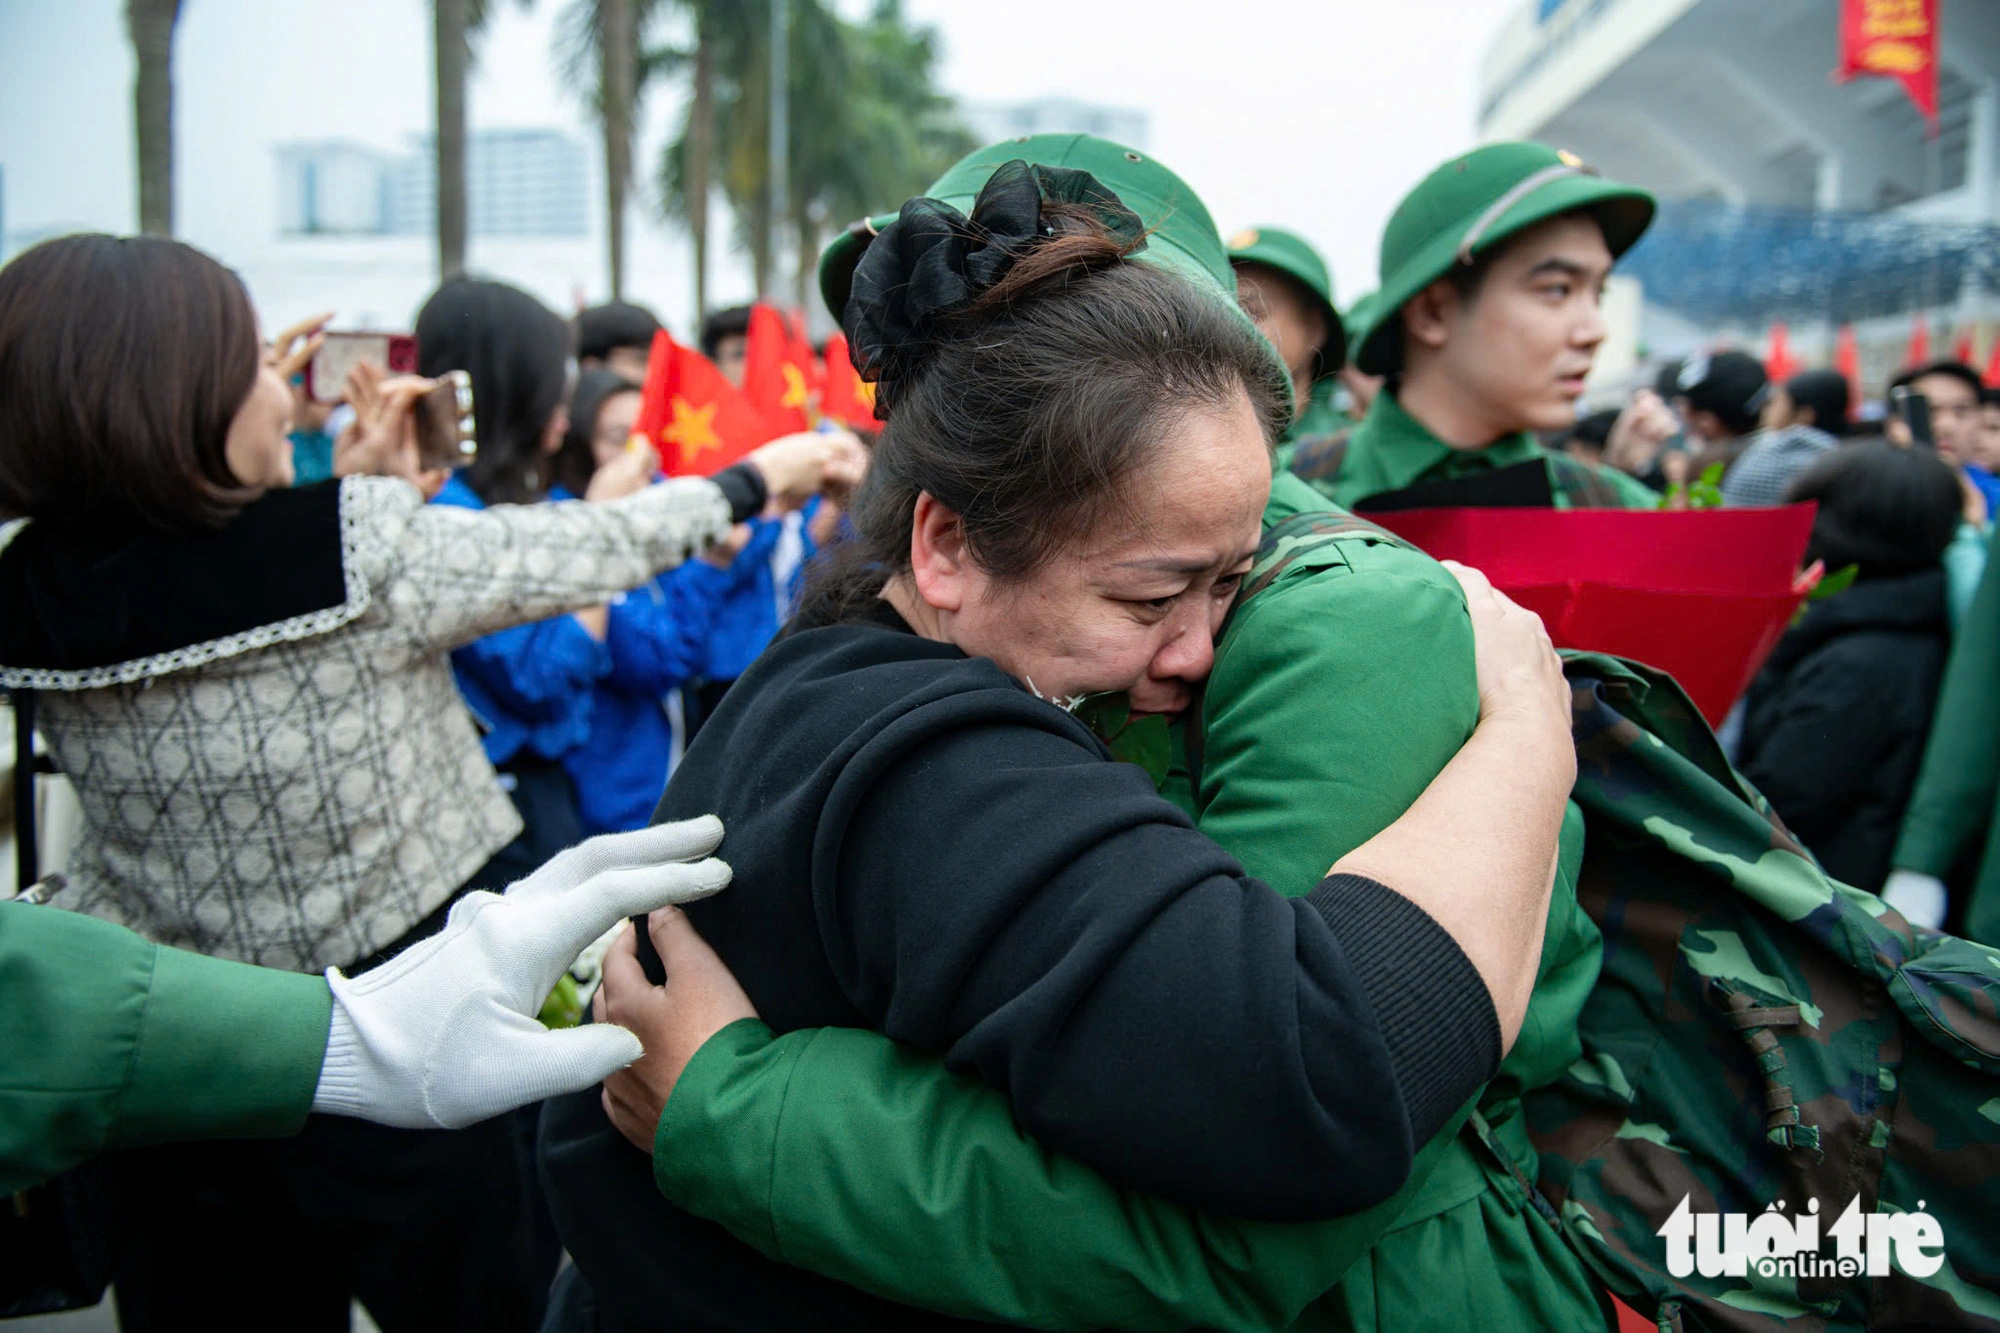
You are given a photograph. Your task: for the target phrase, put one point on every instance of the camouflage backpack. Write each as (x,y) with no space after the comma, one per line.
(1759,1034)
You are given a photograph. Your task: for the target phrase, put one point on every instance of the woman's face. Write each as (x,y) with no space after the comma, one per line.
(614,426)
(1136,604)
(258,448)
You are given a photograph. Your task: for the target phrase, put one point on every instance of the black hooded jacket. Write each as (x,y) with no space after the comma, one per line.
(1834,726)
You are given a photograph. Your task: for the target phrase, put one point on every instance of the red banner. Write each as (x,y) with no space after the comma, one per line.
(1893,39)
(692,415)
(1704,595)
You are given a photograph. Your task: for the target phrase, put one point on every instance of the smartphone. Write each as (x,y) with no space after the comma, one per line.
(326,373)
(1914,411)
(445,431)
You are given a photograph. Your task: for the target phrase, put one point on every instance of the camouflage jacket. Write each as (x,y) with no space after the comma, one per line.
(1760,1034)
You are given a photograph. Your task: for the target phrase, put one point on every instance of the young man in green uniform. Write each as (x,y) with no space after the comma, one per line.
(112,1041)
(1486,324)
(1284,286)
(1333,703)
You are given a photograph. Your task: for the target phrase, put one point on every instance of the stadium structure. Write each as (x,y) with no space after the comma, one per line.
(1785,194)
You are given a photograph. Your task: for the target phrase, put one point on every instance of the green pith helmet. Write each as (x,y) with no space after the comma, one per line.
(1180,234)
(1469,204)
(1292,255)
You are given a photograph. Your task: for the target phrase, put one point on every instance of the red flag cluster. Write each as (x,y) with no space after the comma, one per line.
(699,422)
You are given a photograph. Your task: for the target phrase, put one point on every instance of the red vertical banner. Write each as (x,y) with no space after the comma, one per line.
(1992,375)
(1778,362)
(1918,353)
(1847,360)
(1893,39)
(1962,350)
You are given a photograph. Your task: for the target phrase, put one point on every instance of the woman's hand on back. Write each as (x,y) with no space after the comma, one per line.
(1520,676)
(672,1022)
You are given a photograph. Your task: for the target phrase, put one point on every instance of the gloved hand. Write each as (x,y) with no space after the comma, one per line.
(1919,897)
(444,1034)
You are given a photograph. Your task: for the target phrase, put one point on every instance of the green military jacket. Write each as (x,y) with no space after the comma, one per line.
(1390,450)
(111,1041)
(1951,821)
(1339,691)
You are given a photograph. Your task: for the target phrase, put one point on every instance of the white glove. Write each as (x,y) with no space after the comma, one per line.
(445,1035)
(1919,897)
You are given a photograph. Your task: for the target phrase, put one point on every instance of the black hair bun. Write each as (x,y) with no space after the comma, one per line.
(933,262)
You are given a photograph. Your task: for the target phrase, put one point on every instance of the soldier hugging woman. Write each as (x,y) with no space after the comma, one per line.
(1330,1013)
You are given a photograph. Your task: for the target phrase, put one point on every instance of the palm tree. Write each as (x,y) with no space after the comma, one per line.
(725,38)
(456,23)
(150,24)
(452,43)
(866,124)
(603,53)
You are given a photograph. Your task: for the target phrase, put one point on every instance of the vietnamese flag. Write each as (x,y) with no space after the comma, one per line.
(691,414)
(849,399)
(775,376)
(1893,39)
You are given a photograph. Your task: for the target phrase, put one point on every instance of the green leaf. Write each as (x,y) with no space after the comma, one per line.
(1105,714)
(1837,582)
(564,1007)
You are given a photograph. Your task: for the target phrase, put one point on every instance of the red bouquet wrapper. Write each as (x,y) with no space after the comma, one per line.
(1703,595)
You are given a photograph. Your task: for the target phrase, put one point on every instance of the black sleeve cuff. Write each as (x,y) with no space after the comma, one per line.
(743,486)
(1435,1014)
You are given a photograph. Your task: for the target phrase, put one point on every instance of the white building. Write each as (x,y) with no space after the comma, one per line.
(519,183)
(331,188)
(532,182)
(993,121)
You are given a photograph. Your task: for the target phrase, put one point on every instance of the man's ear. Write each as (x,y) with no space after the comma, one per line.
(1427,316)
(938,563)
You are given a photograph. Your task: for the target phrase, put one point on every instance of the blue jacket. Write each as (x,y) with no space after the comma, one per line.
(659,637)
(530,686)
(758,600)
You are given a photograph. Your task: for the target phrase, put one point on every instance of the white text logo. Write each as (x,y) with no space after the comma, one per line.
(1777,1244)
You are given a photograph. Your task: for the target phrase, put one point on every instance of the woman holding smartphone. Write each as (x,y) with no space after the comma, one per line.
(250,687)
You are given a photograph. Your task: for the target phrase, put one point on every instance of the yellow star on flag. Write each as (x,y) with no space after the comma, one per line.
(693,429)
(795,386)
(867,391)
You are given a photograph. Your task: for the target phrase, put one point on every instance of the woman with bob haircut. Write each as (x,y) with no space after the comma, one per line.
(249,686)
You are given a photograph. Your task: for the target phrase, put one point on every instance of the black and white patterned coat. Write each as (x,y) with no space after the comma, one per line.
(300,795)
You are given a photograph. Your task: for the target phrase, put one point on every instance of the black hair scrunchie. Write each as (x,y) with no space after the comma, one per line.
(933,261)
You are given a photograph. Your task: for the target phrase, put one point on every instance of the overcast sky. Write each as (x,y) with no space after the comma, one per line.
(1315,114)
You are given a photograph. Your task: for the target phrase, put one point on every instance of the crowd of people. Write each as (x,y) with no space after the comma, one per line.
(961,1022)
